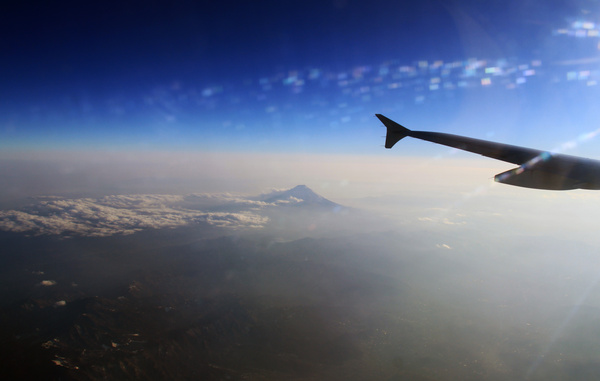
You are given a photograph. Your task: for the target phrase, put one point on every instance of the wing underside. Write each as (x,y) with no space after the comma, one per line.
(537,169)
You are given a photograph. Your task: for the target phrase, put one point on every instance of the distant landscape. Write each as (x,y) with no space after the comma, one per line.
(308,294)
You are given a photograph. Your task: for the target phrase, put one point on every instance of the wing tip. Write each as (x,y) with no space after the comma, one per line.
(395,131)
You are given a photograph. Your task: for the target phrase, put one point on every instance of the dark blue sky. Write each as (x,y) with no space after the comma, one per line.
(85,44)
(197,74)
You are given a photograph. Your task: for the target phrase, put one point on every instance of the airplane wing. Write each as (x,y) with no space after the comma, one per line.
(537,169)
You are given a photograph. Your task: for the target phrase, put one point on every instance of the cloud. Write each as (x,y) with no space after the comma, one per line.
(441,220)
(119,214)
(230,199)
(447,221)
(289,200)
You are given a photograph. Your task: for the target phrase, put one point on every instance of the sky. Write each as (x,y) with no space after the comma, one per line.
(186,96)
(183,97)
(293,76)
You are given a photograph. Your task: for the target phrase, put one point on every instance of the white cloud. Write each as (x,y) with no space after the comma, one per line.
(238,200)
(121,214)
(447,221)
(289,200)
(441,220)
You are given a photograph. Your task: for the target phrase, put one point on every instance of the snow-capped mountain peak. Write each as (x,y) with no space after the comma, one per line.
(301,194)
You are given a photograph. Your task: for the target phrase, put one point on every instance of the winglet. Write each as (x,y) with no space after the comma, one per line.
(395,132)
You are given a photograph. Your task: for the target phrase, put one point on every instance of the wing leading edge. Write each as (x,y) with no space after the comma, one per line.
(537,169)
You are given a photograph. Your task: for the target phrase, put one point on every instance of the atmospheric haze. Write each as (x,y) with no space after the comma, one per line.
(406,284)
(202,191)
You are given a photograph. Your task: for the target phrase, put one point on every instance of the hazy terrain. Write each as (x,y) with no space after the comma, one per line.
(296,298)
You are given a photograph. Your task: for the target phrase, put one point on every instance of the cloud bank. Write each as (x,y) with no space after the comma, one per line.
(122,214)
